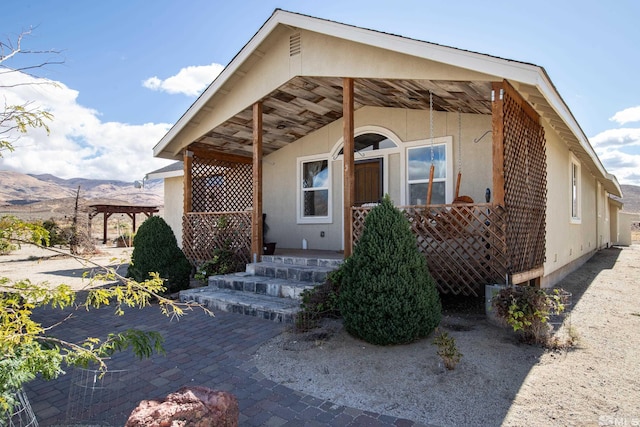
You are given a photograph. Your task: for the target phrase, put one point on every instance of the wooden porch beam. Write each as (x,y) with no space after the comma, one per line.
(522,103)
(526,276)
(217,155)
(349,167)
(497,123)
(256,218)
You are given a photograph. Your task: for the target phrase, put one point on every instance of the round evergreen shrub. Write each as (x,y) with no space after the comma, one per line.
(387,295)
(156,250)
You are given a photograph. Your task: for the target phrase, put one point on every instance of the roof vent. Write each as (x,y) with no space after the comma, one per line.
(294,44)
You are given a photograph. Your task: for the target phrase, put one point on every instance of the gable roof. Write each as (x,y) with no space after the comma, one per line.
(169,171)
(233,133)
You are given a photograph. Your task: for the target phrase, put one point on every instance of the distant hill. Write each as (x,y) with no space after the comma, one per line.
(631,198)
(19,189)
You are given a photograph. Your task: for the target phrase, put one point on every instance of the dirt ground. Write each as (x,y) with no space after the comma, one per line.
(499,380)
(58,267)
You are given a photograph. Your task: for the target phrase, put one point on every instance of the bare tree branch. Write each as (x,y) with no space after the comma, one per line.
(15,120)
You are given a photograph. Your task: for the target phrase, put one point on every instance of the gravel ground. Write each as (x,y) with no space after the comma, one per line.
(55,268)
(499,380)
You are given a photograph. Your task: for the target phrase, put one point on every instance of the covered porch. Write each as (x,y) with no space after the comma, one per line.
(467,245)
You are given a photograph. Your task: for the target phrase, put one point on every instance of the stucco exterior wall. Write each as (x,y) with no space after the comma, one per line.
(625,220)
(323,55)
(614,211)
(570,243)
(173,205)
(280,168)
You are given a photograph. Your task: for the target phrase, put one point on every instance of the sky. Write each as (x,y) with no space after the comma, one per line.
(131,68)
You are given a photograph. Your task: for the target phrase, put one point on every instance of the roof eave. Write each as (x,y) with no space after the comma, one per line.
(548,90)
(159,150)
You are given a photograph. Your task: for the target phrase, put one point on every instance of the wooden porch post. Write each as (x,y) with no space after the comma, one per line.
(256,218)
(188,194)
(497,114)
(349,180)
(105,217)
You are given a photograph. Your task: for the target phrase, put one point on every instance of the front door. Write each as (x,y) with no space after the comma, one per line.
(368,181)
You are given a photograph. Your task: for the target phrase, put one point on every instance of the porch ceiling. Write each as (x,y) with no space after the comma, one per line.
(305,104)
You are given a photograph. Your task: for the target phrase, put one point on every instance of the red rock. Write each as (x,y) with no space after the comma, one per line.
(189,406)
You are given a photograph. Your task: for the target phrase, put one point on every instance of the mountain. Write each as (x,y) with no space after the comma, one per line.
(631,198)
(19,189)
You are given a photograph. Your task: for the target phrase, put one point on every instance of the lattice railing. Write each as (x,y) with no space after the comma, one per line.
(203,232)
(464,244)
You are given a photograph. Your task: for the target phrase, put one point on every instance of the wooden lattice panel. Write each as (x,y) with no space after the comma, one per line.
(202,233)
(464,244)
(525,182)
(220,185)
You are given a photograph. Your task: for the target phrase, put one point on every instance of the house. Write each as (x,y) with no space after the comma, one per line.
(173,194)
(313,121)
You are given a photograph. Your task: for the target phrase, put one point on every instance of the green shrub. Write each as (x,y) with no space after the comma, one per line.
(527,310)
(156,250)
(319,302)
(387,294)
(6,232)
(57,236)
(447,349)
(224,261)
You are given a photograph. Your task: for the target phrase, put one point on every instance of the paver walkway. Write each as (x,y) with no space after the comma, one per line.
(200,350)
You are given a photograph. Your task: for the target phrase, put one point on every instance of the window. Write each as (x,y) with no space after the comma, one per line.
(575,190)
(370,142)
(314,197)
(419,160)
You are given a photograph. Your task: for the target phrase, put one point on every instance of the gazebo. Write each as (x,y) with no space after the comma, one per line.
(109,210)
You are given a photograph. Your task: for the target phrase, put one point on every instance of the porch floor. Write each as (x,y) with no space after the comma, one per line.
(309,253)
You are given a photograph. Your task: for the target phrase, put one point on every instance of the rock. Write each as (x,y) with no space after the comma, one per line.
(190,406)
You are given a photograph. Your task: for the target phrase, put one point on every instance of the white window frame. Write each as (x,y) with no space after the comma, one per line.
(300,218)
(575,190)
(447,141)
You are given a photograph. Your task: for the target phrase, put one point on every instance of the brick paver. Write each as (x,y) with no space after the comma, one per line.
(214,352)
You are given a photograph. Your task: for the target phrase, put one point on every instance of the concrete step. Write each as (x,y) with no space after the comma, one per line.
(305,261)
(264,306)
(269,289)
(295,272)
(261,285)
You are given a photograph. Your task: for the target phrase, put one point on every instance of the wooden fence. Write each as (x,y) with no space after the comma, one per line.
(464,244)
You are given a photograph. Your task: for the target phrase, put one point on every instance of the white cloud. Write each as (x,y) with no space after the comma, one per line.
(619,151)
(628,115)
(79,144)
(619,148)
(189,81)
(623,137)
